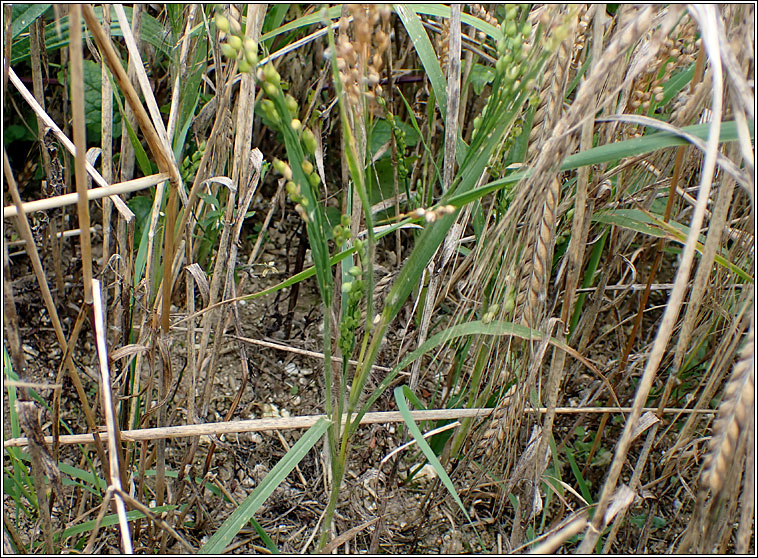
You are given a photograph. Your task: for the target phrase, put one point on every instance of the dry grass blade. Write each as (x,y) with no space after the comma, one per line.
(147,90)
(525,188)
(43,466)
(347,536)
(712,243)
(156,139)
(114,63)
(114,437)
(556,537)
(26,233)
(10,318)
(42,115)
(453,95)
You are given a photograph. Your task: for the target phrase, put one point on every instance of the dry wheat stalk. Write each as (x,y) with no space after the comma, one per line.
(706,18)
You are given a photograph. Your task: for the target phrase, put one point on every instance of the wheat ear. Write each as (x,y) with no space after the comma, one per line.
(734,410)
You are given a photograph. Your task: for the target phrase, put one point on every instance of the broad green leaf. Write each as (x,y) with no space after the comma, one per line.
(441,10)
(276,476)
(274,17)
(332,13)
(153,32)
(190,98)
(480,76)
(630,219)
(654,225)
(93,101)
(24,15)
(645,144)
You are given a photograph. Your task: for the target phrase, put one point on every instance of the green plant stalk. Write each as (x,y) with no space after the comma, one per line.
(589,278)
(434,234)
(476,379)
(14,453)
(316,226)
(359,182)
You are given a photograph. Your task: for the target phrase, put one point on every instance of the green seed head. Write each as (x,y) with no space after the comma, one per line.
(309,141)
(243,65)
(251,57)
(291,103)
(296,124)
(235,42)
(355,271)
(269,88)
(500,66)
(510,302)
(307,167)
(511,29)
(271,75)
(314,179)
(228,51)
(222,23)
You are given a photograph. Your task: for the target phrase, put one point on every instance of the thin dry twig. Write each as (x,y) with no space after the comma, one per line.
(293,423)
(92,194)
(67,143)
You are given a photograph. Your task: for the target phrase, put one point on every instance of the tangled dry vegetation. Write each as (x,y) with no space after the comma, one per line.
(371,279)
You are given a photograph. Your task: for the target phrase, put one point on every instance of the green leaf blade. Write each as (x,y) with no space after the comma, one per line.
(276,476)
